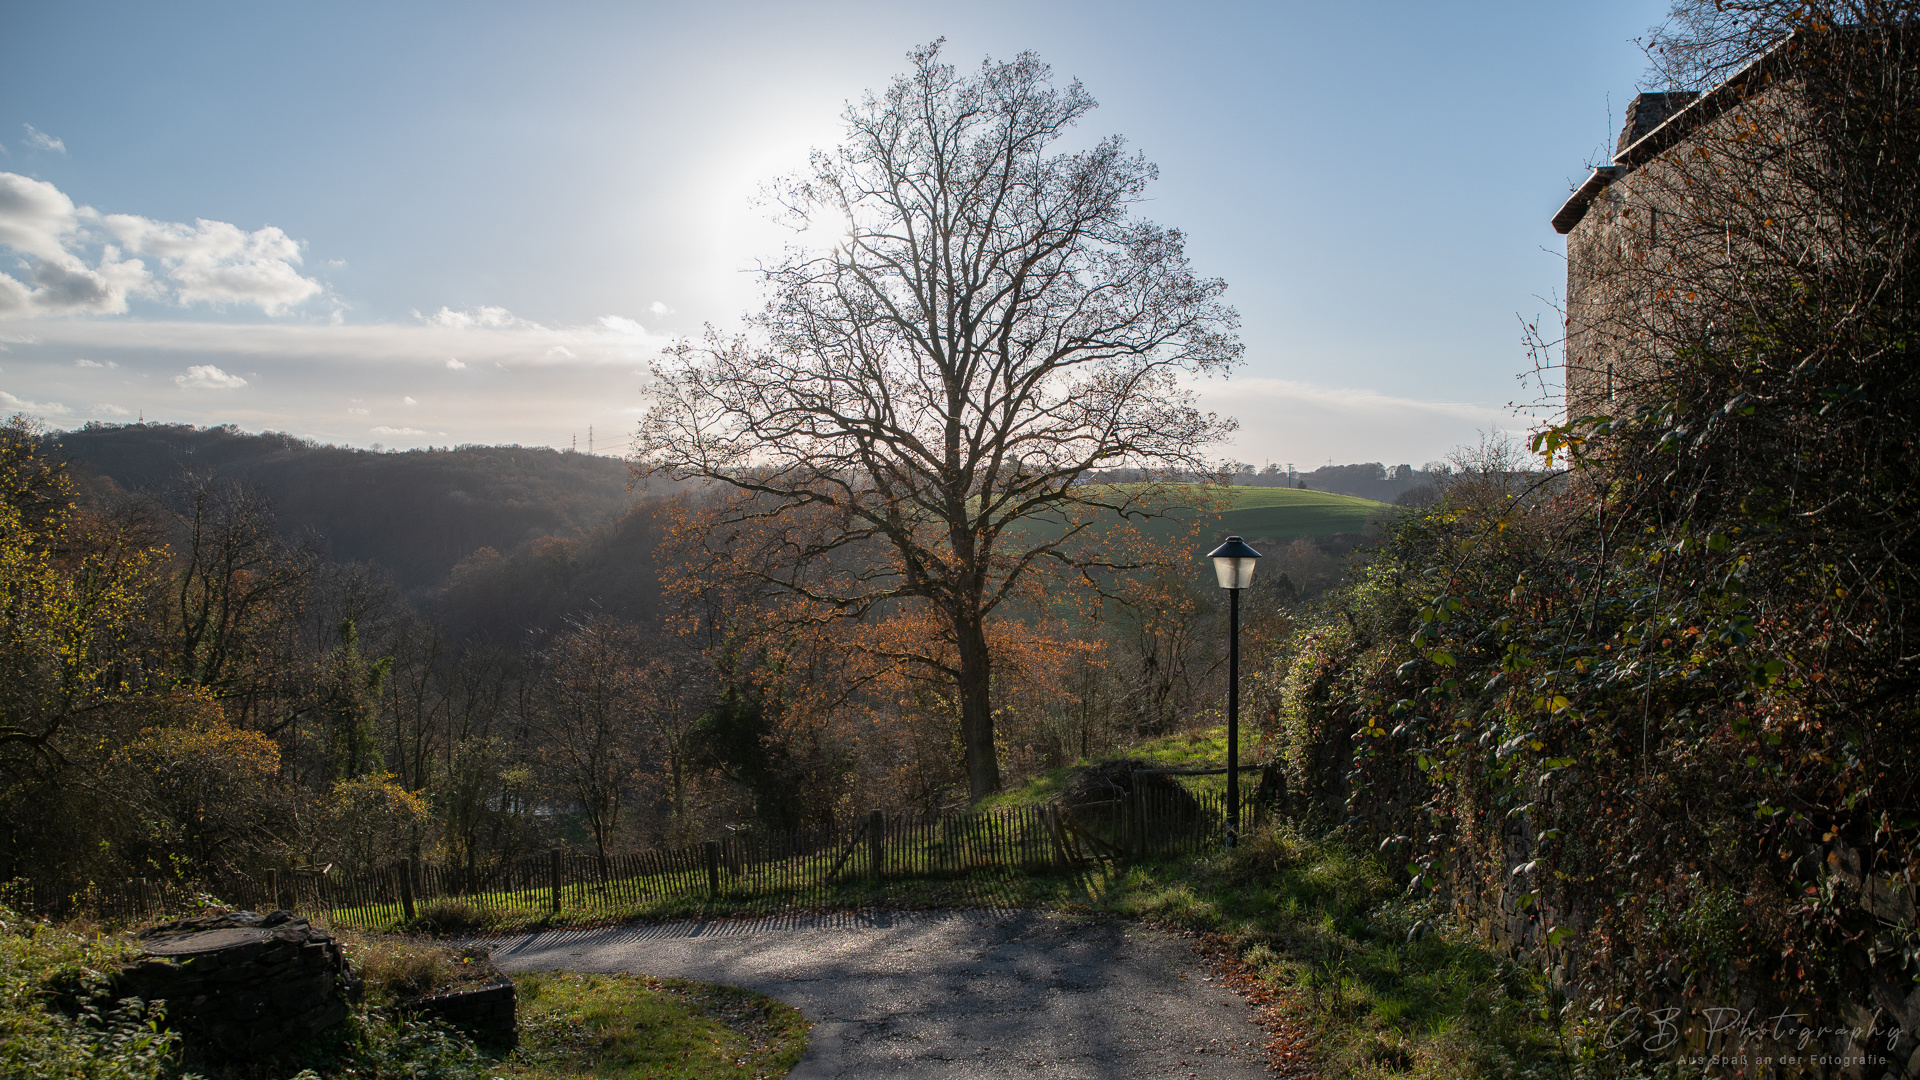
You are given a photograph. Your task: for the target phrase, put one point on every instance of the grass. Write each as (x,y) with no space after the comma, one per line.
(1202,749)
(397,969)
(1274,513)
(1291,513)
(1388,987)
(59,1021)
(629,1027)
(997,888)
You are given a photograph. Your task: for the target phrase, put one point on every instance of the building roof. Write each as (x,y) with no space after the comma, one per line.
(1638,148)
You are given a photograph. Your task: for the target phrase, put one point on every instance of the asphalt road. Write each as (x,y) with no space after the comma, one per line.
(949,994)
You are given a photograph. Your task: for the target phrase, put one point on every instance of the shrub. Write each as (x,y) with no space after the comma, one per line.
(93,1037)
(449,915)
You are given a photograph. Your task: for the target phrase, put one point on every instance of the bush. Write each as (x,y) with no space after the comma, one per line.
(57,1017)
(449,915)
(1600,730)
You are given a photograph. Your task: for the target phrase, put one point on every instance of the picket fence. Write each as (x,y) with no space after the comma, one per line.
(772,869)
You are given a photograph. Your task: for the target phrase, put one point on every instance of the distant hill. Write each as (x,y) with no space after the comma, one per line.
(417,513)
(1367,480)
(534,532)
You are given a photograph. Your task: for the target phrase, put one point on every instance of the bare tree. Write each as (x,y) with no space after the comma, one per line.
(990,327)
(587,710)
(1702,42)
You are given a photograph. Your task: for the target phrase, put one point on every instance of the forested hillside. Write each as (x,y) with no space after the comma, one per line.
(416,513)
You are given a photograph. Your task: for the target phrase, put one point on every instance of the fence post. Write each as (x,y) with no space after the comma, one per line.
(406,888)
(553,879)
(713,869)
(876,843)
(1140,815)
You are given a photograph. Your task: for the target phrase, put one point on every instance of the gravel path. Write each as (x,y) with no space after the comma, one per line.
(949,994)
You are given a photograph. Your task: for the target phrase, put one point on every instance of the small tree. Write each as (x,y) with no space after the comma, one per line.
(918,408)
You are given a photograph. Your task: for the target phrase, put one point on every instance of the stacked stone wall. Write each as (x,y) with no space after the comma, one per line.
(487,1012)
(242,986)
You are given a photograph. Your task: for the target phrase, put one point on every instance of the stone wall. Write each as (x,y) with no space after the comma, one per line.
(240,985)
(487,1012)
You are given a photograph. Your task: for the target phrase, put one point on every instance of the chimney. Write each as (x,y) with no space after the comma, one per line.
(1649,111)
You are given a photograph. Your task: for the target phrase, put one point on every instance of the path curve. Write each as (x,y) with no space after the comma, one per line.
(952,994)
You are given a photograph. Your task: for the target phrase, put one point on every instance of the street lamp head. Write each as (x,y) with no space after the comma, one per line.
(1233,563)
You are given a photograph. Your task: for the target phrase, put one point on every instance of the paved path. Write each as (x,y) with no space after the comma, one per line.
(949,994)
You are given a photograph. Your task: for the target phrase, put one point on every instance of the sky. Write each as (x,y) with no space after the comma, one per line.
(414,224)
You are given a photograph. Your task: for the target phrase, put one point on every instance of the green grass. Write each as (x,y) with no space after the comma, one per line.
(1255,512)
(59,1021)
(1204,749)
(1291,513)
(998,888)
(630,1027)
(1388,987)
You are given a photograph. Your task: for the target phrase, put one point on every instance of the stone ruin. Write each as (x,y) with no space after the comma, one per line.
(488,1011)
(240,985)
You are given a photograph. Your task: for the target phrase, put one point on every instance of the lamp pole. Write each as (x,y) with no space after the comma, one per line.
(1233,716)
(1233,564)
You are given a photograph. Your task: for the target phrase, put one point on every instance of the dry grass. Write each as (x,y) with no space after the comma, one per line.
(398,969)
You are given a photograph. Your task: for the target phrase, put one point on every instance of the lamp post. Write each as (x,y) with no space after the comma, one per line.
(1233,564)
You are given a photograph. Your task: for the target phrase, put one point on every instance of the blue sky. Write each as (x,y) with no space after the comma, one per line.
(428,223)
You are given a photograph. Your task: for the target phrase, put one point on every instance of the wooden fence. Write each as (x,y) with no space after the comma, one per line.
(777,868)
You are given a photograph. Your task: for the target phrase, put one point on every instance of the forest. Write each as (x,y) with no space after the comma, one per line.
(247,652)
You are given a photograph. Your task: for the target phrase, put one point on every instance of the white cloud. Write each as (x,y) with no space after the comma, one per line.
(216,263)
(209,262)
(83,362)
(35,217)
(408,401)
(358,412)
(482,318)
(658,308)
(40,140)
(13,404)
(208,377)
(384,430)
(38,221)
(623,326)
(1283,420)
(423,343)
(111,410)
(454,364)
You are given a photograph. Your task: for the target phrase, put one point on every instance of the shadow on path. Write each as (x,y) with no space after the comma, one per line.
(948,994)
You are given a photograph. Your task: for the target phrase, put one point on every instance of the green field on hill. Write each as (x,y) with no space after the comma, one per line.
(1282,514)
(1269,513)
(1288,513)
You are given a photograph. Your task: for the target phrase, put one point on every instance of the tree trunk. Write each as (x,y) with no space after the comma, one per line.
(976,708)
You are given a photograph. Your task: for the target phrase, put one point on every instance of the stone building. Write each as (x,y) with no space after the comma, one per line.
(1658,239)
